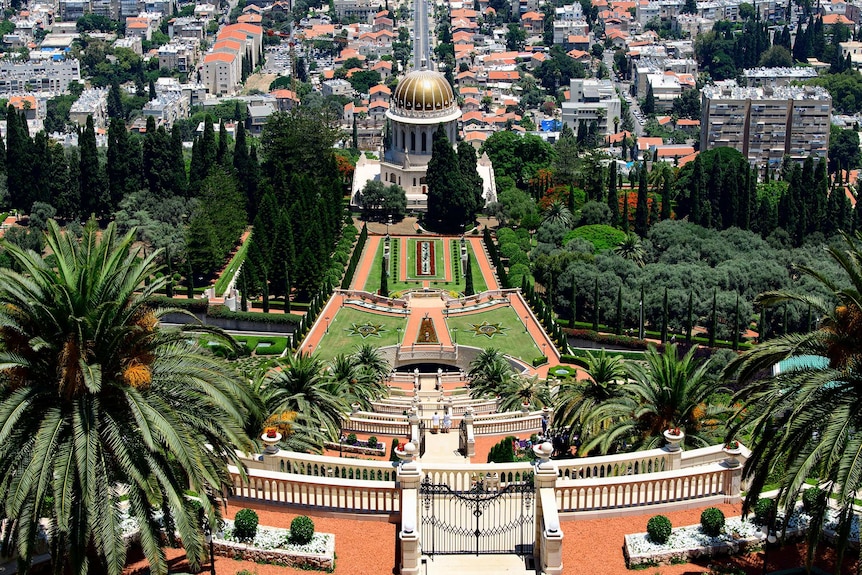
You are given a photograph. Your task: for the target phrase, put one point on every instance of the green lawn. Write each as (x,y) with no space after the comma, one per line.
(397,284)
(513,340)
(343,339)
(236,261)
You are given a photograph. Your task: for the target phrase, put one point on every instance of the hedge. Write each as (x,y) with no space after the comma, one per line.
(192,305)
(220,311)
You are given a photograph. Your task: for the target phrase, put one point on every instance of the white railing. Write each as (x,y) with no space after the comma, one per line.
(377,427)
(636,463)
(531,423)
(706,455)
(325,466)
(354,496)
(642,490)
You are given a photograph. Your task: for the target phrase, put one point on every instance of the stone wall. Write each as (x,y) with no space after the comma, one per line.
(246,552)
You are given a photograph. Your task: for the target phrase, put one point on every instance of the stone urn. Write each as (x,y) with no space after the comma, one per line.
(733,451)
(271,438)
(543,452)
(674,438)
(525,408)
(406,452)
(355,407)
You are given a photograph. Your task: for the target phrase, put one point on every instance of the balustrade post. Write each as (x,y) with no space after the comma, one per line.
(674,437)
(413,420)
(409,477)
(548,546)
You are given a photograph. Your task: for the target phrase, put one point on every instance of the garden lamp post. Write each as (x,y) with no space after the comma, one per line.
(388,223)
(455,334)
(327,324)
(341,441)
(525,324)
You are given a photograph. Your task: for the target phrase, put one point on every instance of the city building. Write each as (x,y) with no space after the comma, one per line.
(38,76)
(167,108)
(337,87)
(766,123)
(92,102)
(359,10)
(778,76)
(592,101)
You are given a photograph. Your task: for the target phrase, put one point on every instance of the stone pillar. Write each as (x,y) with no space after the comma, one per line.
(548,547)
(674,438)
(409,477)
(413,420)
(470,445)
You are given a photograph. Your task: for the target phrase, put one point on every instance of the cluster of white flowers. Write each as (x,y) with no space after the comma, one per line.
(274,538)
(692,537)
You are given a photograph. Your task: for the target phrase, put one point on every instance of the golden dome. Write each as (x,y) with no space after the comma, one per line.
(424,91)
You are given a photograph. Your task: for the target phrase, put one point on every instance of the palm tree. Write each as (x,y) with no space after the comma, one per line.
(489,373)
(577,398)
(94,394)
(631,248)
(355,382)
(518,391)
(668,391)
(557,212)
(368,356)
(815,403)
(299,385)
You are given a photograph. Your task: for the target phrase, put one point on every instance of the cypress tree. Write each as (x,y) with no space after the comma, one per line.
(713,322)
(619,327)
(641,212)
(664,317)
(641,318)
(689,324)
(90,177)
(626,211)
(178,181)
(18,161)
(115,101)
(190,280)
(449,199)
(355,135)
(665,197)
(222,150)
(596,306)
(384,283)
(697,192)
(265,295)
(287,287)
(574,303)
(736,325)
(169,285)
(613,196)
(468,277)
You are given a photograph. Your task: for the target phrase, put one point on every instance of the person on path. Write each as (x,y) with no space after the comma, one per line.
(545,424)
(435,422)
(447,422)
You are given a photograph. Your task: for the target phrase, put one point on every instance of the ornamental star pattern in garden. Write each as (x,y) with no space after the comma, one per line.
(489,330)
(366,330)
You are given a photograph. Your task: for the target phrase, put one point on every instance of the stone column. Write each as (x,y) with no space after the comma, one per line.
(470,446)
(548,547)
(409,477)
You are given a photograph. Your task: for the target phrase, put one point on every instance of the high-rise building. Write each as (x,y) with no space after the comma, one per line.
(766,123)
(592,102)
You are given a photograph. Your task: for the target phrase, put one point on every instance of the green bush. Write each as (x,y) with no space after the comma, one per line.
(221,311)
(812,498)
(574,360)
(192,305)
(763,510)
(541,360)
(392,456)
(372,442)
(245,524)
(351,439)
(712,521)
(301,530)
(503,452)
(659,529)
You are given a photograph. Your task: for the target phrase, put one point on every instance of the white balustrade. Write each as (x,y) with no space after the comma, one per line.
(636,463)
(354,496)
(643,490)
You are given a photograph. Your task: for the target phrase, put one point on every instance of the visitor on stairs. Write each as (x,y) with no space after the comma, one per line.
(447,422)
(435,422)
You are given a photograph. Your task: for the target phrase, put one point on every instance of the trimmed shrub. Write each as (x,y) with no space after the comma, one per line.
(763,511)
(245,524)
(542,360)
(392,456)
(301,530)
(503,452)
(351,439)
(712,521)
(659,529)
(812,498)
(372,442)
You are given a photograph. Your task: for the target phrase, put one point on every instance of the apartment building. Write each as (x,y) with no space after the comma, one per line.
(778,76)
(765,123)
(590,101)
(167,108)
(360,10)
(179,55)
(92,102)
(38,76)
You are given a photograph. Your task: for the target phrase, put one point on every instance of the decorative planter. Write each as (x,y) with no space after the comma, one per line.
(733,454)
(271,442)
(355,407)
(407,453)
(525,408)
(673,440)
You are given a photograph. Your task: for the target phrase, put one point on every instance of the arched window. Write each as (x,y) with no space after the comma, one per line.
(412,141)
(424,144)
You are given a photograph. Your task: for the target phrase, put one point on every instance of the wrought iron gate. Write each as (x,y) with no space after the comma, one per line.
(482,520)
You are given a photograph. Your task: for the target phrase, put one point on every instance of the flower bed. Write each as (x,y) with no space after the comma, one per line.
(360,447)
(272,545)
(739,534)
(690,542)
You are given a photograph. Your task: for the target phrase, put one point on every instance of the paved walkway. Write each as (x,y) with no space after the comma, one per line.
(470,565)
(363,270)
(482,259)
(442,447)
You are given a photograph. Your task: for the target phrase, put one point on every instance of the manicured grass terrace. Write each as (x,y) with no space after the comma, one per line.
(340,338)
(514,340)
